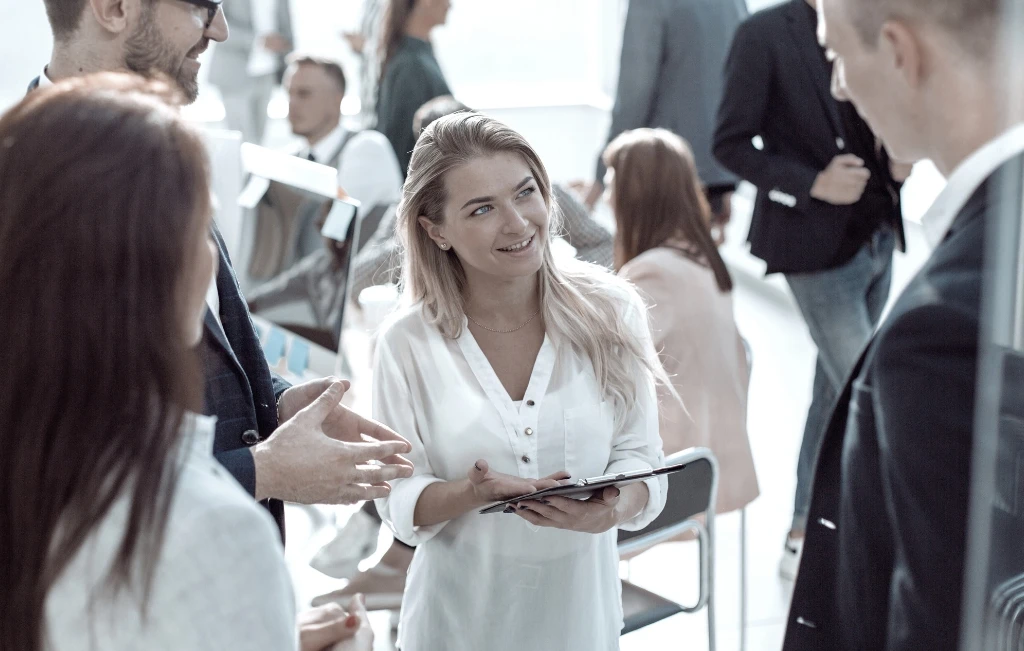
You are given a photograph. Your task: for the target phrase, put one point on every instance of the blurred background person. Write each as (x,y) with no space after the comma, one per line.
(828,213)
(493,368)
(247,68)
(287,230)
(365,43)
(670,76)
(368,170)
(664,247)
(410,73)
(119,505)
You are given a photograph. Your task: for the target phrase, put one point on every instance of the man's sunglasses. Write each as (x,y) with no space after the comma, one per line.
(211,7)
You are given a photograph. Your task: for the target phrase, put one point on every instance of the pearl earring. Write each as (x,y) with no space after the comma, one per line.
(444,246)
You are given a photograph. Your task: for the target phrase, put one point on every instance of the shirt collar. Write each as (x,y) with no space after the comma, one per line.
(326,148)
(44,80)
(197,432)
(966,178)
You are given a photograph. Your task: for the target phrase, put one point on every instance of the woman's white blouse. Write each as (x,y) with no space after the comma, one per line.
(495,581)
(220,582)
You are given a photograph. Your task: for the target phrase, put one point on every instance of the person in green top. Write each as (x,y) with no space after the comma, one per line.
(410,74)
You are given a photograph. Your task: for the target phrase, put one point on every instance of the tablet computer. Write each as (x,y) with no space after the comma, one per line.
(584,488)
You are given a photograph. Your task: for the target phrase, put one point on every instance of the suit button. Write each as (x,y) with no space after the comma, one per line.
(250,437)
(526,459)
(840,143)
(530,403)
(528,431)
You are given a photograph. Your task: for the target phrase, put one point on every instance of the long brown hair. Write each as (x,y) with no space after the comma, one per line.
(103,185)
(396,15)
(658,198)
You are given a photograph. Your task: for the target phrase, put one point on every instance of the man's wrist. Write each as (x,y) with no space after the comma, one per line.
(262,470)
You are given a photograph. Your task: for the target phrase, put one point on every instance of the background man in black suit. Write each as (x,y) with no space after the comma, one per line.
(883,565)
(292,463)
(827,213)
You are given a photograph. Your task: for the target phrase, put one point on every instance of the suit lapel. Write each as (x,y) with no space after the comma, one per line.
(817,69)
(226,289)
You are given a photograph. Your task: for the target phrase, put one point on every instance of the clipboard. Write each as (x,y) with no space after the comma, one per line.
(584,488)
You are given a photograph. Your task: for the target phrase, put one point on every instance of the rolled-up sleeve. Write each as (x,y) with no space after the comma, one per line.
(636,444)
(393,405)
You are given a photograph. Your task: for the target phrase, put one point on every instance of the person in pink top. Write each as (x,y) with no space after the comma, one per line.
(664,246)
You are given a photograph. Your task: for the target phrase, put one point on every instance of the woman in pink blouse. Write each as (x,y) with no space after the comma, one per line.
(664,246)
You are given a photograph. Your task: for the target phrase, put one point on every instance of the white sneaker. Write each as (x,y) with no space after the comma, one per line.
(357,540)
(791,553)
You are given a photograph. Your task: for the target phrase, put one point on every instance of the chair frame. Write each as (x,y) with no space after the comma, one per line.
(705,539)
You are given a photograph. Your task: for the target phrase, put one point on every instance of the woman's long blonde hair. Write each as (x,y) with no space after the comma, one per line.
(585,305)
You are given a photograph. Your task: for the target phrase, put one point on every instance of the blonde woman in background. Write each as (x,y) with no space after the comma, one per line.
(664,246)
(508,366)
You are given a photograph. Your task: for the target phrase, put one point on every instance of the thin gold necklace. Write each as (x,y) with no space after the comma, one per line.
(504,332)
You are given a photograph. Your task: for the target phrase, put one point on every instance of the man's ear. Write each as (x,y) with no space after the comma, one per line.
(904,48)
(433,232)
(115,16)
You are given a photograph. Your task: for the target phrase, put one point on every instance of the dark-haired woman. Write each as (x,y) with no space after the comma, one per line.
(664,246)
(120,529)
(410,74)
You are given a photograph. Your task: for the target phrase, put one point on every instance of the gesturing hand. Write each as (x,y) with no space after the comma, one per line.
(490,486)
(342,423)
(300,463)
(595,515)
(841,183)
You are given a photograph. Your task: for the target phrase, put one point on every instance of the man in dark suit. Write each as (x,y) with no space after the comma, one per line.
(883,563)
(293,463)
(827,214)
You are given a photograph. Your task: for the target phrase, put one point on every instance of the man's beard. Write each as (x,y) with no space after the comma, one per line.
(146,52)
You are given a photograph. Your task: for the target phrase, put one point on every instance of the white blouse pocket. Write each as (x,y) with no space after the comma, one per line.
(588,439)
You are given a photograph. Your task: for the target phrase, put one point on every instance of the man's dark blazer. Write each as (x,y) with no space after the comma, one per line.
(239,389)
(777,88)
(883,560)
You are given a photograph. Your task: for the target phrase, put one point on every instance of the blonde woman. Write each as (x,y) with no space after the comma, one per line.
(663,244)
(508,367)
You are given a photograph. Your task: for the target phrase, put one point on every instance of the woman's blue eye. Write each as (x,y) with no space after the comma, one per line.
(527,192)
(481,210)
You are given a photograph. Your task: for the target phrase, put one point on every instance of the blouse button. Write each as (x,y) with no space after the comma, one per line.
(529,431)
(530,403)
(526,459)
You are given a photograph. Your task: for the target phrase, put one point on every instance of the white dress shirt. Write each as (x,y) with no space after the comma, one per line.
(495,581)
(966,178)
(367,169)
(220,581)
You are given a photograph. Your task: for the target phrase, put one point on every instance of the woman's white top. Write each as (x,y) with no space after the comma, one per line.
(220,581)
(495,581)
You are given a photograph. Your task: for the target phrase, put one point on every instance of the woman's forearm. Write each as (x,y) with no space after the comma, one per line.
(632,500)
(443,501)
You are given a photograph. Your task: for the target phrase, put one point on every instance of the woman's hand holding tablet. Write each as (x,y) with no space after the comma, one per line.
(491,486)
